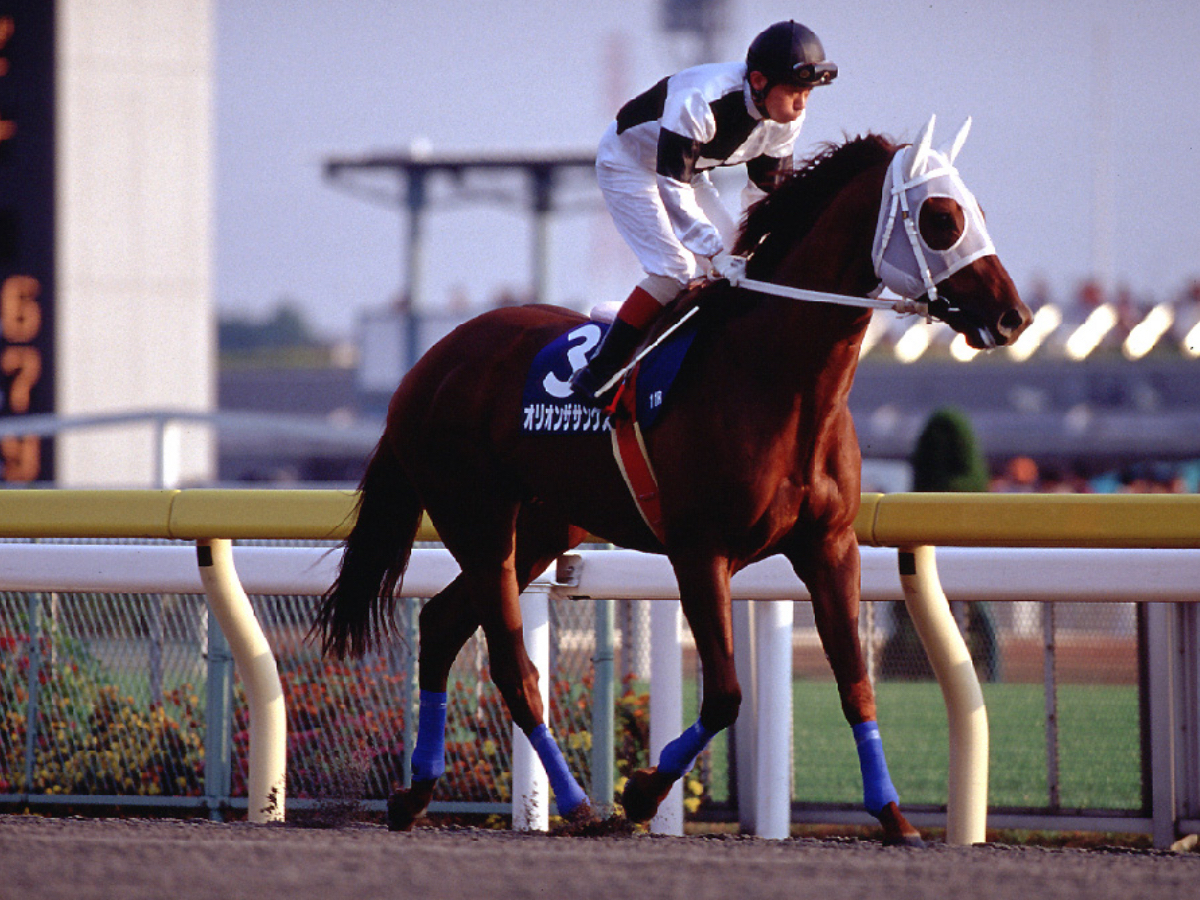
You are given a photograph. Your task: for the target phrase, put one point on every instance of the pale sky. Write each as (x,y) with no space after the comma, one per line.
(1077,108)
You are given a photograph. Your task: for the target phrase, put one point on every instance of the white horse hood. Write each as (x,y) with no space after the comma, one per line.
(903,262)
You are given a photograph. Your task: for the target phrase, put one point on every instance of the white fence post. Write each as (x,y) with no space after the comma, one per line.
(666,704)
(530,786)
(773,772)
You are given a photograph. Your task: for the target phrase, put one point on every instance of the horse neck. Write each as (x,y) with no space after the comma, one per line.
(818,341)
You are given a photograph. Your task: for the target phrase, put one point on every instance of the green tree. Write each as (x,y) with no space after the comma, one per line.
(285,328)
(946,458)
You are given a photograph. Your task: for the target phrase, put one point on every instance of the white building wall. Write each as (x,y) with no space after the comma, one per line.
(135,324)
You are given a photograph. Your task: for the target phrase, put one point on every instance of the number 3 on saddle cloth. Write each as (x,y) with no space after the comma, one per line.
(549,406)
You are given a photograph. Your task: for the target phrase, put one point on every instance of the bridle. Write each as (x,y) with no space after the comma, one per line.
(915,174)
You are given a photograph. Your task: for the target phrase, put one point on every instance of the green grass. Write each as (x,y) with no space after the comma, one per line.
(1099,745)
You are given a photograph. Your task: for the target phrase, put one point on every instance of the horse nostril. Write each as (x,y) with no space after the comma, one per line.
(1010,321)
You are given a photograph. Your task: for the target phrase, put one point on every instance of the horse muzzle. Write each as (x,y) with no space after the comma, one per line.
(982,332)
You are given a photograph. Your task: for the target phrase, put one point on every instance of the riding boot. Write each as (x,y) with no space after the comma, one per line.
(633,320)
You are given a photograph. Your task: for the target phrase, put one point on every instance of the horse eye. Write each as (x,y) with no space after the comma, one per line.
(940,225)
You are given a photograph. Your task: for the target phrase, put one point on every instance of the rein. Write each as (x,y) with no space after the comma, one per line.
(901,305)
(736,278)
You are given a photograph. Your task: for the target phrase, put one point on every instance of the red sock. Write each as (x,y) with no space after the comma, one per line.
(639,310)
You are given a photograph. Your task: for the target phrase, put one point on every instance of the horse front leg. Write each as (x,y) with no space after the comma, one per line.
(704,595)
(832,573)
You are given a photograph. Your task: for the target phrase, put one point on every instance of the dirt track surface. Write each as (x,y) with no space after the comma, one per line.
(79,859)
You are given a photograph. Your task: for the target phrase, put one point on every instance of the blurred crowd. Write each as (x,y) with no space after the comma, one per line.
(1098,319)
(1122,311)
(1022,475)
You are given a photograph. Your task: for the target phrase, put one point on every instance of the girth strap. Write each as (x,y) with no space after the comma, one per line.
(629,449)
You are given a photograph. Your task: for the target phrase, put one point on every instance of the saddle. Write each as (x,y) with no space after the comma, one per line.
(549,405)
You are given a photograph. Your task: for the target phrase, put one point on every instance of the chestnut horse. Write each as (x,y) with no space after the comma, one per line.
(755,454)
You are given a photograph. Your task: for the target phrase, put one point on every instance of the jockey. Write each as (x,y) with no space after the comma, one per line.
(653,163)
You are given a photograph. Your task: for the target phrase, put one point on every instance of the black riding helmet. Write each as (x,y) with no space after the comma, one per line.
(789,53)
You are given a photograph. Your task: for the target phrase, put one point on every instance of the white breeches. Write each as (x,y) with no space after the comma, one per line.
(637,210)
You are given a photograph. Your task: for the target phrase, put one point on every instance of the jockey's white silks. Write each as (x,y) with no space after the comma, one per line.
(903,262)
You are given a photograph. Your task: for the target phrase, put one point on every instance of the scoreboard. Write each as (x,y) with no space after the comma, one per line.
(27,232)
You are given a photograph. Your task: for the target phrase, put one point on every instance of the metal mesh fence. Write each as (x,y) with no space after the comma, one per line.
(111,688)
(119,689)
(1060,681)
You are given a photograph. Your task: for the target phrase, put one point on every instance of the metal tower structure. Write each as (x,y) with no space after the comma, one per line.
(414,173)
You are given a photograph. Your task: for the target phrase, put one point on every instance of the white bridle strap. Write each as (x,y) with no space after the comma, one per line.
(914,238)
(902,305)
(737,278)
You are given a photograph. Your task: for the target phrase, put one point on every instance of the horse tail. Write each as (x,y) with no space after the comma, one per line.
(356,612)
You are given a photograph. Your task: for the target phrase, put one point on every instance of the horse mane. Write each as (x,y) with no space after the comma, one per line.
(776,222)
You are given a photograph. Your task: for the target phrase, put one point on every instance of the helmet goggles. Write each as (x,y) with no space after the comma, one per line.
(811,74)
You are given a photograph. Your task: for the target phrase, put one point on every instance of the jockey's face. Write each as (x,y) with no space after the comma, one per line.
(784,102)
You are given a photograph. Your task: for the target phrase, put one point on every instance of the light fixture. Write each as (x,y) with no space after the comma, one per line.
(1149,331)
(1190,344)
(961,350)
(1045,321)
(913,343)
(1087,337)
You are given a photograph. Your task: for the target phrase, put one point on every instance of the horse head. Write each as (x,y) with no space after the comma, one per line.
(931,242)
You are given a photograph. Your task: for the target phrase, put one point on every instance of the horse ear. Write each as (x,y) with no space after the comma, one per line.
(950,151)
(915,161)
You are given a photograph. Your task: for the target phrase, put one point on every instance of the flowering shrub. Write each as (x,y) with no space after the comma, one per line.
(89,738)
(120,747)
(345,731)
(633,747)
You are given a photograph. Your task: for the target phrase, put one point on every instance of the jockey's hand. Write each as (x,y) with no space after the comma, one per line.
(727,266)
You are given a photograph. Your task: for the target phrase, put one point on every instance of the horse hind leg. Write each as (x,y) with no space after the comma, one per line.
(447,622)
(539,540)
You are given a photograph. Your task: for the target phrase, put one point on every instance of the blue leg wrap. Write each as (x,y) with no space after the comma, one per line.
(878,791)
(678,756)
(429,756)
(567,792)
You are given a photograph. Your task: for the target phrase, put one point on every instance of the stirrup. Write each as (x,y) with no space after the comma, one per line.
(587,383)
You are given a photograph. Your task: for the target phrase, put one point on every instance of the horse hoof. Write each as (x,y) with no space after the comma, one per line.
(644,792)
(405,807)
(897,831)
(582,821)
(580,815)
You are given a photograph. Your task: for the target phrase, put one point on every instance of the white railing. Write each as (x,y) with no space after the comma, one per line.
(969,574)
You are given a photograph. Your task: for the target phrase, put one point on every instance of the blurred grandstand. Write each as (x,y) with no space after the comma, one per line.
(1097,392)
